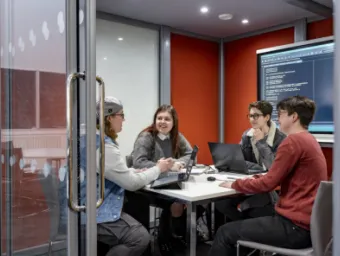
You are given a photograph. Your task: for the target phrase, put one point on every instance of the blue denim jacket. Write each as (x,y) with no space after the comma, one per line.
(111,208)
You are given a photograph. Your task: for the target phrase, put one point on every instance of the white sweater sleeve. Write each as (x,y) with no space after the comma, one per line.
(117,171)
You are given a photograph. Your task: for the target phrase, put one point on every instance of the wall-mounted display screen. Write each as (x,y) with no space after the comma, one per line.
(304,69)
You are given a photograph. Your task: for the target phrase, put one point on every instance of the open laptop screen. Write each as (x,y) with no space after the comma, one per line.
(191,161)
(227,157)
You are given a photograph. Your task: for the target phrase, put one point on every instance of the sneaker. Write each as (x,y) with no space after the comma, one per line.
(202,237)
(166,249)
(202,230)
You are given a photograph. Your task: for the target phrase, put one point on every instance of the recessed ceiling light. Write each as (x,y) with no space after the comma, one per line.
(245,21)
(225,16)
(120,39)
(204,9)
(105,58)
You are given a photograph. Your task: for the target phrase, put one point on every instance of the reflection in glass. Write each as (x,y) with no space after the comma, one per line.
(33,120)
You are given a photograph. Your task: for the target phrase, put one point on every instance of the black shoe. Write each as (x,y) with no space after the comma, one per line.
(165,248)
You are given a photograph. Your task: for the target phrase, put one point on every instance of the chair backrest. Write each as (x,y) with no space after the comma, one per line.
(322,218)
(129,161)
(49,186)
(9,153)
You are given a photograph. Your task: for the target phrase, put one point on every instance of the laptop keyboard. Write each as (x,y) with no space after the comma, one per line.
(246,172)
(167,174)
(252,171)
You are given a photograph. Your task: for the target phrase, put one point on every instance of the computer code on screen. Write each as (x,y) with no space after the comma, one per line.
(305,71)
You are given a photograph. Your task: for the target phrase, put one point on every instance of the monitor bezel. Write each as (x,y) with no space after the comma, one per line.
(287,47)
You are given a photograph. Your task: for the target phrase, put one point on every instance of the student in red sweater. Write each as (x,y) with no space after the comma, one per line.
(298,168)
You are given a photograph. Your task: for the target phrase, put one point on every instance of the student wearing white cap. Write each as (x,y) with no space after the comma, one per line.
(116,229)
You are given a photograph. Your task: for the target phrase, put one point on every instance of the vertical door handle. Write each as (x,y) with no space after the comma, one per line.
(70,82)
(69,133)
(101,83)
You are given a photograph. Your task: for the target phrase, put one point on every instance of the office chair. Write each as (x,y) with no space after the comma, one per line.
(321,227)
(8,154)
(50,189)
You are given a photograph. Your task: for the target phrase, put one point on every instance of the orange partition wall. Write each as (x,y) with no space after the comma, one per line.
(194,90)
(320,29)
(241,77)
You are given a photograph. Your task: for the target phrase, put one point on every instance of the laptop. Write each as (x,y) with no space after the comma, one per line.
(171,182)
(229,158)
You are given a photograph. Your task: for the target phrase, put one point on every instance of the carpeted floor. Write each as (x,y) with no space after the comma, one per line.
(201,250)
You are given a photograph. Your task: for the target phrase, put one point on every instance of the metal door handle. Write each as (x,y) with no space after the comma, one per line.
(102,143)
(70,82)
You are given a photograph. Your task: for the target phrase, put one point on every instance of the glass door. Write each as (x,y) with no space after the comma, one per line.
(48,95)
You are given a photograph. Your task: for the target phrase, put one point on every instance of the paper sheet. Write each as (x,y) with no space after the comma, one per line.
(227,177)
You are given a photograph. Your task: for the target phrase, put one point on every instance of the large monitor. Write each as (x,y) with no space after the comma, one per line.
(304,68)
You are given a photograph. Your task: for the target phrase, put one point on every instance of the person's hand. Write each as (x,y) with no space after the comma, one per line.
(165,164)
(258,134)
(226,184)
(177,166)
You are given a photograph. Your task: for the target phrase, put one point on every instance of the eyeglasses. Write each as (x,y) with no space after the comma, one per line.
(122,115)
(254,116)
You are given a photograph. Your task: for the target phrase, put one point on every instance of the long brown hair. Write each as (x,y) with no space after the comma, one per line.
(107,129)
(174,131)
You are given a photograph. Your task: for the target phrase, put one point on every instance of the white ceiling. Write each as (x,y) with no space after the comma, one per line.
(185,14)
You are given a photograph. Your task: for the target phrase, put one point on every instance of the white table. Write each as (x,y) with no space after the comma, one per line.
(198,190)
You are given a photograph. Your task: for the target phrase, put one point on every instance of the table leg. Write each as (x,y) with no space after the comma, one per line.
(213,219)
(191,229)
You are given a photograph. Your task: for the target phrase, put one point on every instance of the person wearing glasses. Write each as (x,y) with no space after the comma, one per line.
(298,168)
(259,145)
(118,231)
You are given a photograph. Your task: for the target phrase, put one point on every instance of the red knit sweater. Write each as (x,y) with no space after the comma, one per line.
(299,167)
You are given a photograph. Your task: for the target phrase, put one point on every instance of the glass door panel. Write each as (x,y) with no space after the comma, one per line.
(39,49)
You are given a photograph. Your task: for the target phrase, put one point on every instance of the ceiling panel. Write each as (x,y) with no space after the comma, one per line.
(185,15)
(328,3)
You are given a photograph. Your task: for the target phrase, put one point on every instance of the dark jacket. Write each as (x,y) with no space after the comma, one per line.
(261,153)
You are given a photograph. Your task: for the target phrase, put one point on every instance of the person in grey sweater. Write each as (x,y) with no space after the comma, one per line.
(259,145)
(163,140)
(149,148)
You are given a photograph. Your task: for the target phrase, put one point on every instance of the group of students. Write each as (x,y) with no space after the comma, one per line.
(292,157)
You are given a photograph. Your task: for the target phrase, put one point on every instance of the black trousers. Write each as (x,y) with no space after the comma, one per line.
(228,207)
(125,237)
(137,206)
(272,230)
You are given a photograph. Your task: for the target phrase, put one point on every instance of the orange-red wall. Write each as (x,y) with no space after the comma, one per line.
(320,29)
(194,90)
(241,77)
